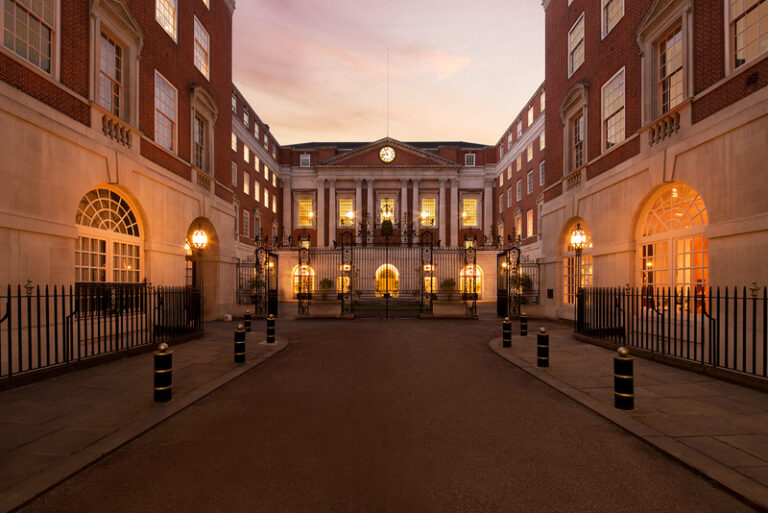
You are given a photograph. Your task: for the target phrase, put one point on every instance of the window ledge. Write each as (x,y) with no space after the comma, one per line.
(667,125)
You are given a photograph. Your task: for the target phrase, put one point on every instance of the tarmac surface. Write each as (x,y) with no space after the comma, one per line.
(370,415)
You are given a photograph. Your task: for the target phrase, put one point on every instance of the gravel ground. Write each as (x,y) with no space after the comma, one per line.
(397,416)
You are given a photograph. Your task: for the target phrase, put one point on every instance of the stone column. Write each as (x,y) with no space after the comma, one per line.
(403,210)
(442,219)
(333,216)
(371,214)
(358,208)
(454,211)
(320,214)
(416,208)
(287,210)
(488,210)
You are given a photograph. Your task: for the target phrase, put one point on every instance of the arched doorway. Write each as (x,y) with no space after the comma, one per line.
(671,249)
(203,264)
(471,280)
(387,280)
(303,277)
(574,278)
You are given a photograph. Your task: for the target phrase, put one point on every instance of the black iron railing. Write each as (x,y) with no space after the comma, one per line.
(55,326)
(724,328)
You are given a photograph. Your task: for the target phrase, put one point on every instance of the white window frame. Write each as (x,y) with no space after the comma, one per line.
(203,105)
(542,173)
(729,46)
(202,49)
(175,121)
(55,46)
(501,203)
(529,153)
(519,129)
(519,190)
(529,183)
(542,101)
(542,141)
(304,196)
(234,142)
(234,174)
(469,160)
(478,212)
(509,197)
(342,215)
(422,197)
(571,51)
(603,119)
(530,115)
(605,29)
(125,30)
(174,30)
(256,191)
(234,104)
(305,160)
(246,183)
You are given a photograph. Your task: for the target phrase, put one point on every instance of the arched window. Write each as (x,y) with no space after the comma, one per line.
(572,275)
(471,279)
(672,250)
(109,245)
(387,280)
(303,279)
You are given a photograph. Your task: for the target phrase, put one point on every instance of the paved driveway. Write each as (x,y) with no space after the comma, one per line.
(400,416)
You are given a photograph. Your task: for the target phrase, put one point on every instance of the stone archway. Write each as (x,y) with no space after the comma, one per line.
(206,267)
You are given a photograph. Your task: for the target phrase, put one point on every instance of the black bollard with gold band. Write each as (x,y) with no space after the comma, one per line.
(506,333)
(623,380)
(523,325)
(270,329)
(163,374)
(542,348)
(240,344)
(247,321)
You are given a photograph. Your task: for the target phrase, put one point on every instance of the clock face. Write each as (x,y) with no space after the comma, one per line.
(387,154)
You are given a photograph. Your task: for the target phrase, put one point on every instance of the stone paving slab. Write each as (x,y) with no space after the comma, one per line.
(716,428)
(52,429)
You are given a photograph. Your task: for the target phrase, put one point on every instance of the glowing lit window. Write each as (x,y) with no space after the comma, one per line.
(28,30)
(256,195)
(471,280)
(530,152)
(469,212)
(542,141)
(529,223)
(305,213)
(165,15)
(202,49)
(509,172)
(246,154)
(530,115)
(234,142)
(246,183)
(519,162)
(108,244)
(346,212)
(266,197)
(428,211)
(543,101)
(303,279)
(667,224)
(387,208)
(387,280)
(501,179)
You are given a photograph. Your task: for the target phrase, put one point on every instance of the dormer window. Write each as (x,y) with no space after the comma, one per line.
(469,159)
(304,160)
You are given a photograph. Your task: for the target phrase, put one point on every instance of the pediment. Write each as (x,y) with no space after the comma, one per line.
(118,12)
(405,156)
(657,13)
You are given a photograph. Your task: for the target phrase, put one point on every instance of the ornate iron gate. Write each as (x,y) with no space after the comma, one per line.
(517,282)
(257,283)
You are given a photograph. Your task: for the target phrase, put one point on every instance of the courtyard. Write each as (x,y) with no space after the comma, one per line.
(374,415)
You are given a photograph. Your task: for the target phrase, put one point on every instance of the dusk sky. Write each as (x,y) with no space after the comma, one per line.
(316,70)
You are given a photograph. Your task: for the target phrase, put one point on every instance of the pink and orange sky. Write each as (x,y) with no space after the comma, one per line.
(316,70)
